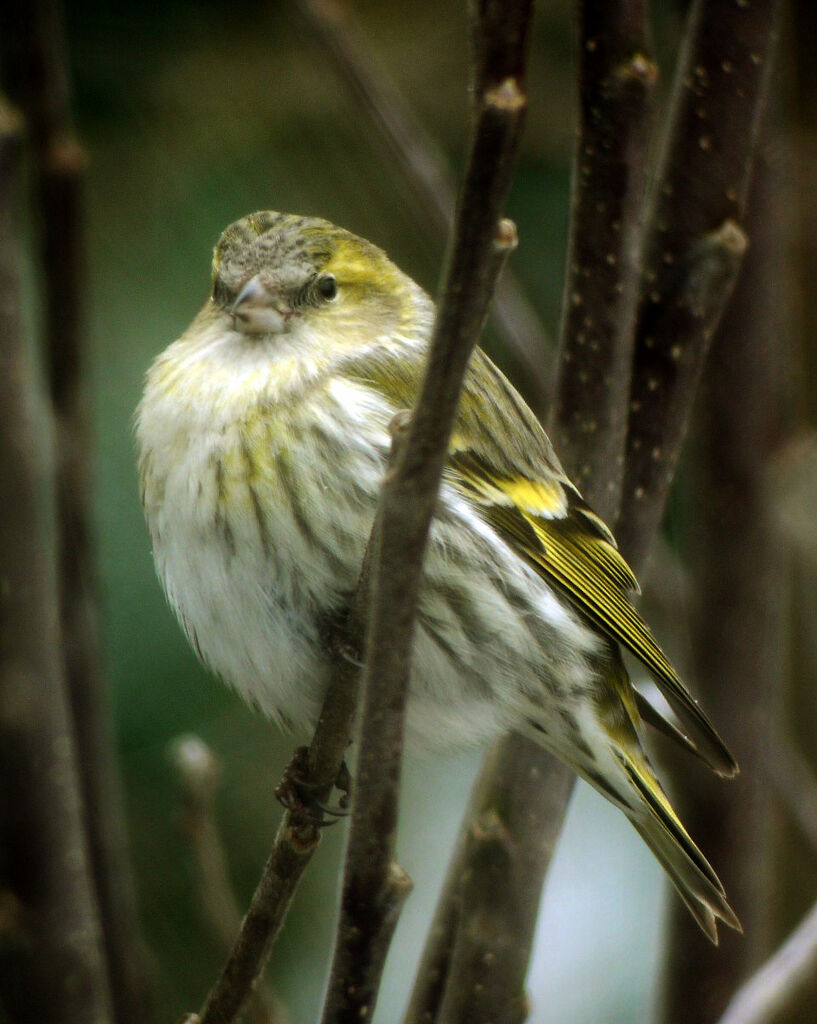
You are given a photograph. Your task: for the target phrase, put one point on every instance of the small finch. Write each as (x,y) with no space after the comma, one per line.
(263,436)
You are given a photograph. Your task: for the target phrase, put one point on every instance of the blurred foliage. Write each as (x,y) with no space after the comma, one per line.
(194,114)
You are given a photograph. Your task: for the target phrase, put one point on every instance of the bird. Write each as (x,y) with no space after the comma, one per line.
(263,437)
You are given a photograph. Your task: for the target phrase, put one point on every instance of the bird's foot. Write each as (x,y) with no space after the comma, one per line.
(298,794)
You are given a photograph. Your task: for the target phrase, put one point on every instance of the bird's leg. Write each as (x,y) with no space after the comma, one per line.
(343,782)
(298,794)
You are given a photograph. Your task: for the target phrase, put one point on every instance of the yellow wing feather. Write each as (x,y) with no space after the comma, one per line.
(543,517)
(588,569)
(501,458)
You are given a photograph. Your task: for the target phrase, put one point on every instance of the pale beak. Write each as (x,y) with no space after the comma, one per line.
(258,310)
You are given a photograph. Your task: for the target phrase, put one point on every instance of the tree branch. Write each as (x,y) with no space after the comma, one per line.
(299,833)
(696,241)
(46,860)
(409,496)
(198,771)
(589,418)
(530,785)
(740,593)
(37,69)
(294,844)
(423,167)
(736,624)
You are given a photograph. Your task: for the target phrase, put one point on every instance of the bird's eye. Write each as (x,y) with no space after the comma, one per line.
(327,287)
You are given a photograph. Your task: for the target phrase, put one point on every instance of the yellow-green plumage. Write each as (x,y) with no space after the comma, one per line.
(263,437)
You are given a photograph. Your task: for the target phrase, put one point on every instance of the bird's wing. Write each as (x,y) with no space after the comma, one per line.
(501,459)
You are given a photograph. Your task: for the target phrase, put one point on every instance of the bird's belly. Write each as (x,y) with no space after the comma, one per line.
(257,548)
(237,616)
(250,566)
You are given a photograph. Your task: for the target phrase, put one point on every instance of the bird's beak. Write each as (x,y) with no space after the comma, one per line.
(258,310)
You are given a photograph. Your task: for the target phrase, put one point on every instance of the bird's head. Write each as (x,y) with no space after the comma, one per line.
(276,273)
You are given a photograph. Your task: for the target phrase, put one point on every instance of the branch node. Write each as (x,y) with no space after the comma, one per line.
(399,427)
(732,237)
(713,265)
(304,836)
(197,766)
(489,827)
(507,96)
(506,238)
(639,68)
(399,882)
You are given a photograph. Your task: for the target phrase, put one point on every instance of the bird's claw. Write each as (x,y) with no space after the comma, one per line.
(299,795)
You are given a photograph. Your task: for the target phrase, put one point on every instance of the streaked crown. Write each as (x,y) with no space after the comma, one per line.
(273,270)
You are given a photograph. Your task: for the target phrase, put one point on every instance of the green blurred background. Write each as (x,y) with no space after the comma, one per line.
(195,114)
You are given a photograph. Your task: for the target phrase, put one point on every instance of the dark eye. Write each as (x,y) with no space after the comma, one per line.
(327,287)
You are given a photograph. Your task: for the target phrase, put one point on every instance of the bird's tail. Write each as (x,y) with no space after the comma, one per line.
(660,828)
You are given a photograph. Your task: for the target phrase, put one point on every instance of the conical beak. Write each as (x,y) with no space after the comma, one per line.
(258,310)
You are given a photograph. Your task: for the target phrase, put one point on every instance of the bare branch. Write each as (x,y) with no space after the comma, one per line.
(409,497)
(740,594)
(375,886)
(696,241)
(199,772)
(771,989)
(424,169)
(292,850)
(46,858)
(37,68)
(510,835)
(593,384)
(589,417)
(299,833)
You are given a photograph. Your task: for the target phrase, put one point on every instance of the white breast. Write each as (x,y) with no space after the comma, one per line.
(259,507)
(256,535)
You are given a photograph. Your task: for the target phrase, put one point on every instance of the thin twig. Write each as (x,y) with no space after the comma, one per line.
(409,496)
(510,836)
(375,886)
(529,784)
(37,68)
(292,850)
(299,833)
(696,241)
(424,168)
(775,986)
(588,421)
(199,772)
(46,862)
(474,963)
(739,598)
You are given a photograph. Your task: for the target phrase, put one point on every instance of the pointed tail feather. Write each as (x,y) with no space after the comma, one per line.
(660,828)
(653,717)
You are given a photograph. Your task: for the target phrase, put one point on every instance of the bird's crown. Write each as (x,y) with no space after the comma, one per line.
(301,259)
